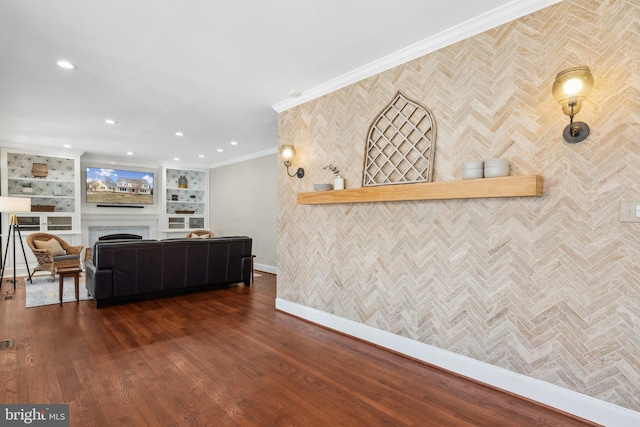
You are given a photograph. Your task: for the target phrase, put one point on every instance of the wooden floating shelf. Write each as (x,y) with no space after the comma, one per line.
(508,186)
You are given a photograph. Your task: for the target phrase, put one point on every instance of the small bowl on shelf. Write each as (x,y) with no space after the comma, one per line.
(472,165)
(472,173)
(497,171)
(496,162)
(472,170)
(322,187)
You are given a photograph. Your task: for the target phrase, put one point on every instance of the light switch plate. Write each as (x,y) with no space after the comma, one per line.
(629,212)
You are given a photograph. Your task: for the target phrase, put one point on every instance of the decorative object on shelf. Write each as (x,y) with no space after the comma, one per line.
(494,168)
(185,212)
(570,88)
(57,190)
(401,145)
(472,170)
(193,197)
(182,182)
(42,208)
(39,170)
(27,188)
(338,183)
(322,187)
(287,153)
(174,197)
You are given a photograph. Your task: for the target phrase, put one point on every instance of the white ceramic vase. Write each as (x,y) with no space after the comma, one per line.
(338,183)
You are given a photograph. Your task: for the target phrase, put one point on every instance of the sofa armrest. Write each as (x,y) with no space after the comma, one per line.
(89,267)
(99,283)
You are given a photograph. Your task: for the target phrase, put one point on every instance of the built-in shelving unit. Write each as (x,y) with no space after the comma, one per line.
(55,201)
(508,186)
(185,199)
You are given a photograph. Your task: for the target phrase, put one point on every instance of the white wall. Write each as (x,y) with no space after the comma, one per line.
(243,202)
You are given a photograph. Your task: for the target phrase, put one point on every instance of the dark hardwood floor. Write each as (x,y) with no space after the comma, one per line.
(228,358)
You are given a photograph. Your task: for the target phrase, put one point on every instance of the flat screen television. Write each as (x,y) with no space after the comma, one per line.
(119,186)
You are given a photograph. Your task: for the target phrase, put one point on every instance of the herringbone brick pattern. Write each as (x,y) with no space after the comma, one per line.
(548,287)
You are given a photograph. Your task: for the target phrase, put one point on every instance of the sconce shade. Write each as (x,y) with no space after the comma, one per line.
(14,204)
(571,87)
(287,153)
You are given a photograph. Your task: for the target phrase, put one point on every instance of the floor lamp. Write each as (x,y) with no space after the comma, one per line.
(12,205)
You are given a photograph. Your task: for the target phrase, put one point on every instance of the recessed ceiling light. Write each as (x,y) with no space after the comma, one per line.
(129,153)
(110,121)
(234,143)
(66,65)
(219,150)
(67,146)
(201,156)
(179,134)
(177,159)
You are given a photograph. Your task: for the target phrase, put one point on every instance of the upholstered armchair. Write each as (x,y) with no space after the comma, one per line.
(203,234)
(53,253)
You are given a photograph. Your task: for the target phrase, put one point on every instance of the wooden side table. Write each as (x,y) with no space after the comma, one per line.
(70,272)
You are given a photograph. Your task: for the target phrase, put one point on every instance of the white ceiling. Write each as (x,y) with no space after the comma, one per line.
(211,69)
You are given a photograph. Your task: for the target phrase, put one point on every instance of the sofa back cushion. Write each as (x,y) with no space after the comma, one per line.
(142,266)
(136,265)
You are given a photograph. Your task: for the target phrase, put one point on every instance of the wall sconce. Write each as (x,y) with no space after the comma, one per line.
(570,88)
(287,152)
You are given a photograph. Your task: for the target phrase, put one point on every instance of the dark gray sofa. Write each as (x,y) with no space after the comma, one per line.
(133,270)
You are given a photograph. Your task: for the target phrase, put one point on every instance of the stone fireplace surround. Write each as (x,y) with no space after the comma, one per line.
(98,224)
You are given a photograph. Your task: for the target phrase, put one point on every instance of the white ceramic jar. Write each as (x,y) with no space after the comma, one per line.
(496,167)
(472,170)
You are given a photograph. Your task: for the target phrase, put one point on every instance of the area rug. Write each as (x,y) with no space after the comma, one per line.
(43,291)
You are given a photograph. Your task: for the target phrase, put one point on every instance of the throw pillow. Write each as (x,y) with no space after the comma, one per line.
(51,245)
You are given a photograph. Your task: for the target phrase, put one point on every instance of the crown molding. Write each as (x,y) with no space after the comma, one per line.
(501,15)
(42,149)
(255,155)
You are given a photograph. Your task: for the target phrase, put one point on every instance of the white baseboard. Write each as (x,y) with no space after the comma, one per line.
(266,268)
(549,394)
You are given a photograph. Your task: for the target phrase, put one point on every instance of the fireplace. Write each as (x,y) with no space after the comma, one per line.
(95,232)
(96,225)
